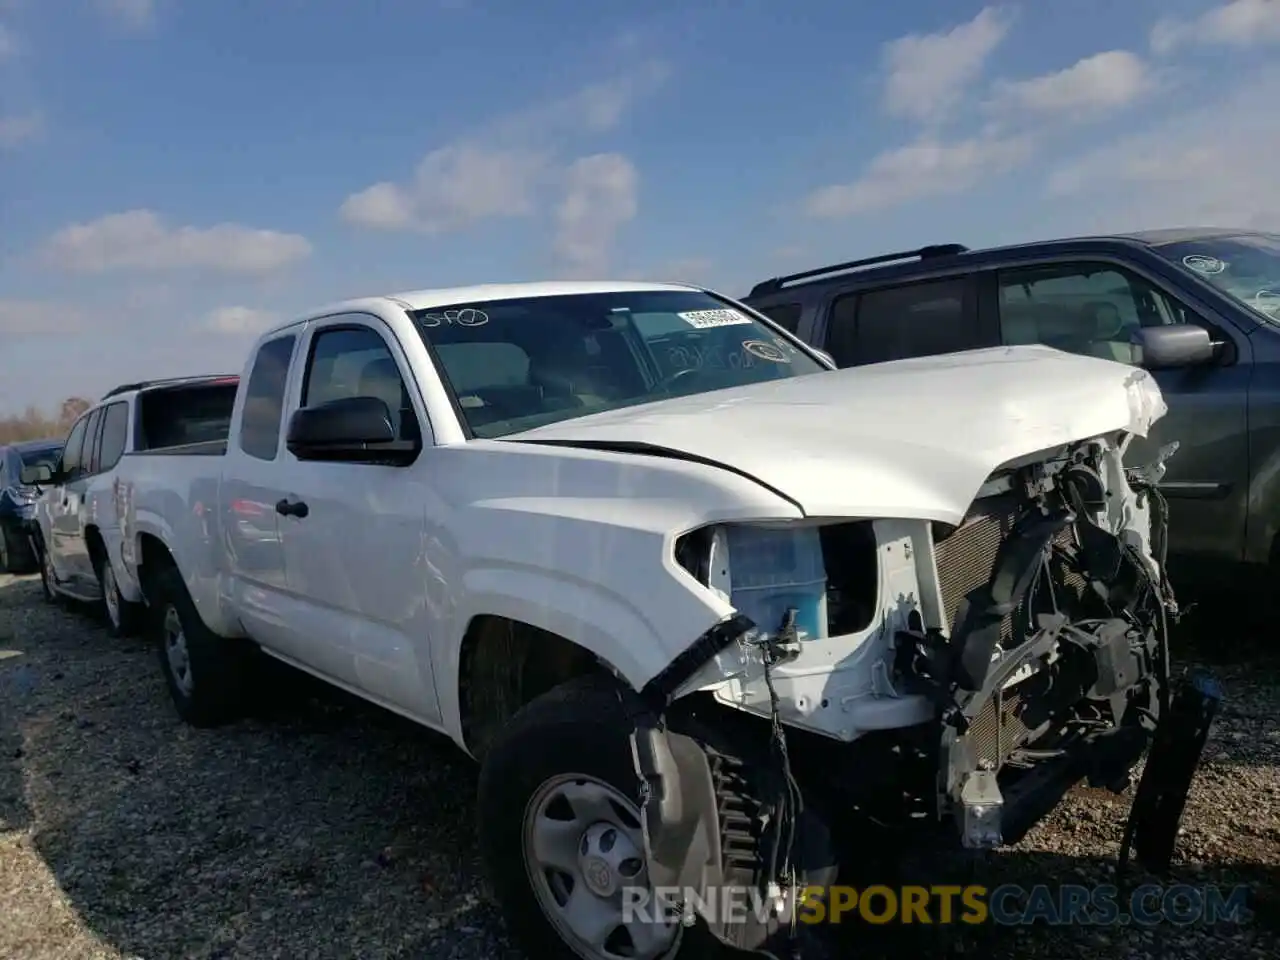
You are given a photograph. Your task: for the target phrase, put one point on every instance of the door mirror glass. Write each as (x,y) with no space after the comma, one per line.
(352,429)
(1176,345)
(36,475)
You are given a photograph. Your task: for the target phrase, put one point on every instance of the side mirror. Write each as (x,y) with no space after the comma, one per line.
(35,476)
(1175,345)
(825,357)
(351,429)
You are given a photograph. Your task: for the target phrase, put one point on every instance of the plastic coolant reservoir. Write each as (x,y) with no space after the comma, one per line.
(772,569)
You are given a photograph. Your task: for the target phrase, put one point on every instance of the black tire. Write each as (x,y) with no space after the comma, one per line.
(214,688)
(122,617)
(51,595)
(580,727)
(15,551)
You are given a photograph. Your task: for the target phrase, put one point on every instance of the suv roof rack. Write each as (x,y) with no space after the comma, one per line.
(169,381)
(924,253)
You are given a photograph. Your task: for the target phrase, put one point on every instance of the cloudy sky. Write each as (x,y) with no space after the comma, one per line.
(174,174)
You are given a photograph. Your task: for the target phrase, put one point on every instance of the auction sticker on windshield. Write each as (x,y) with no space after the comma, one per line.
(702,319)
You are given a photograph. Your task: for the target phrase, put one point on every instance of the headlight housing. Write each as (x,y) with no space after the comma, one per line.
(763,571)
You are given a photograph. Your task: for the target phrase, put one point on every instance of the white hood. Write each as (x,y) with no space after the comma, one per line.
(910,439)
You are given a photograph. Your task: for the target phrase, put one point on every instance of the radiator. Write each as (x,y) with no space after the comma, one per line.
(966,558)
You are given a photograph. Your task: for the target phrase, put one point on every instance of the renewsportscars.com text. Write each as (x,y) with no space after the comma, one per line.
(1005,905)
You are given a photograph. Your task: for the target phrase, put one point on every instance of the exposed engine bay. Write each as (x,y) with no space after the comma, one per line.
(951,685)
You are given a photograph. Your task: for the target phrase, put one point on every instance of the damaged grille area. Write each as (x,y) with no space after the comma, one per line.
(998,729)
(966,559)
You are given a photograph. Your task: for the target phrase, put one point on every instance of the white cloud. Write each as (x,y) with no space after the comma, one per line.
(498,170)
(18,129)
(133,14)
(36,317)
(927,73)
(451,188)
(1239,23)
(600,198)
(1101,82)
(1212,165)
(138,240)
(240,320)
(926,168)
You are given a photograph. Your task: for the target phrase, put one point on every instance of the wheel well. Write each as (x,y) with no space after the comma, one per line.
(505,664)
(154,557)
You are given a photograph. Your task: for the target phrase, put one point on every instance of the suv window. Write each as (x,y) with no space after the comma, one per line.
(912,320)
(115,427)
(89,456)
(264,398)
(355,361)
(71,452)
(1087,308)
(785,315)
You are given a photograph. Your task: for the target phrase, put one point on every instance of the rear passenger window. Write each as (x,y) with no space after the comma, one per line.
(356,362)
(785,315)
(264,399)
(115,427)
(913,320)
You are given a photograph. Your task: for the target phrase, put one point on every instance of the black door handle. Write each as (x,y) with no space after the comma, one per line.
(287,509)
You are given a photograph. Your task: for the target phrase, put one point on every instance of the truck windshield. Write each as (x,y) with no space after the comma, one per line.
(522,363)
(1246,267)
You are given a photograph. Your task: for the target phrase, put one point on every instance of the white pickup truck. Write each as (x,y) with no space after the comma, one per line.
(622,542)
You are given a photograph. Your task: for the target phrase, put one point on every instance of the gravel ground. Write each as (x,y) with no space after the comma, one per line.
(330,829)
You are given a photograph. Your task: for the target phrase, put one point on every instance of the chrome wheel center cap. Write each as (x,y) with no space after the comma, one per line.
(598,876)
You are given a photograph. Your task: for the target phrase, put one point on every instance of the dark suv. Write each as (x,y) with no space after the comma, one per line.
(18,501)
(1200,308)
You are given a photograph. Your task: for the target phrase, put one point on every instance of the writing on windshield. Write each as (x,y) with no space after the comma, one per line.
(521,363)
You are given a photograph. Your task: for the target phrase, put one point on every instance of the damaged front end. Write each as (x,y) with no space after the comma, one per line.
(1036,646)
(1055,666)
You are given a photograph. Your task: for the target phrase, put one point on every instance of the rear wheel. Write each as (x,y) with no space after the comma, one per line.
(207,675)
(47,579)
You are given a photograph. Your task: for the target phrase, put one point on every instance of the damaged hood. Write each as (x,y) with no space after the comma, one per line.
(910,439)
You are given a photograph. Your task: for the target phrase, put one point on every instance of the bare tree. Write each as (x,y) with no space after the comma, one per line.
(34,424)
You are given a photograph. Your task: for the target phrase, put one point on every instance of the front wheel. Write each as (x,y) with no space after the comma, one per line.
(559,825)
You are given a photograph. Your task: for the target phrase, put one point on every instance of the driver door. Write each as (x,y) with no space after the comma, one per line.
(358,564)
